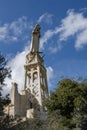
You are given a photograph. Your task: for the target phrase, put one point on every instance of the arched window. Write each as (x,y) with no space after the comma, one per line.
(41,78)
(35,77)
(35,89)
(29,78)
(31,105)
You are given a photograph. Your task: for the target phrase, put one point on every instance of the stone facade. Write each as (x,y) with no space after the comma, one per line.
(30,100)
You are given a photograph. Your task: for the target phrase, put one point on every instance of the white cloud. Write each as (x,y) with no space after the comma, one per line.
(20,26)
(16,30)
(53,50)
(74,24)
(83,10)
(3,31)
(50,75)
(48,34)
(17,66)
(81,39)
(46,18)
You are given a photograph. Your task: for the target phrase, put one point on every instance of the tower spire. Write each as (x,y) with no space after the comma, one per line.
(35,39)
(35,72)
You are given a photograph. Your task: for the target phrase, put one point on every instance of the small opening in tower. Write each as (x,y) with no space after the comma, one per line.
(35,76)
(29,78)
(31,105)
(35,89)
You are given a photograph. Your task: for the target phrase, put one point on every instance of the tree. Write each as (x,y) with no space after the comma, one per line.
(69,100)
(4,72)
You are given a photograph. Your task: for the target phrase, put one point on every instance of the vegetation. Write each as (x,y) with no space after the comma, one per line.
(67,109)
(67,106)
(4,71)
(30,124)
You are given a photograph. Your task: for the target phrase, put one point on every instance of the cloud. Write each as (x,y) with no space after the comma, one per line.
(73,25)
(46,18)
(3,32)
(17,66)
(16,30)
(53,50)
(20,26)
(50,75)
(48,34)
(81,39)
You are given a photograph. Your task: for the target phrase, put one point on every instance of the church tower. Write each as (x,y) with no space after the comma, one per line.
(30,100)
(35,73)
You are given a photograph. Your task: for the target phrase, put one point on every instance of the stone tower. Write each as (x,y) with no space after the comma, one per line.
(35,86)
(35,72)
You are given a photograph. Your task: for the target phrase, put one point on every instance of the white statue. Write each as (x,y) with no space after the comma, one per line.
(35,39)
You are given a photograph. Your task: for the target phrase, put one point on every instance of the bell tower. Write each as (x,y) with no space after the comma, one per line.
(35,71)
(30,100)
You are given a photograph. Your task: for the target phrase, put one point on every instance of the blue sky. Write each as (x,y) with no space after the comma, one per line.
(63,36)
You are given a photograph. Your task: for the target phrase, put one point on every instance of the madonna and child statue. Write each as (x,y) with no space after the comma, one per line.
(35,39)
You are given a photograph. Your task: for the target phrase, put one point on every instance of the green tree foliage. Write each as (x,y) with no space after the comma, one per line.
(4,72)
(29,124)
(69,102)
